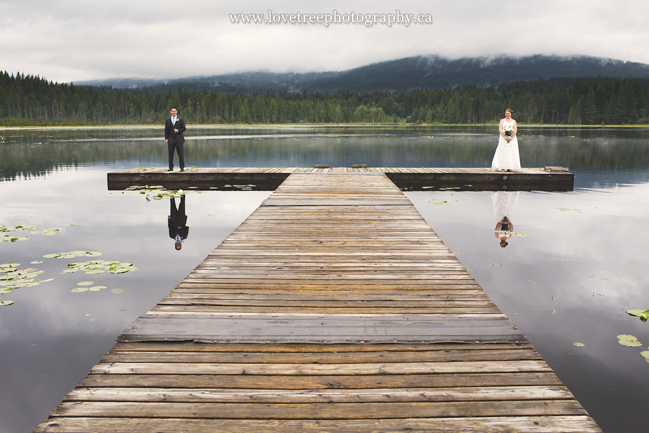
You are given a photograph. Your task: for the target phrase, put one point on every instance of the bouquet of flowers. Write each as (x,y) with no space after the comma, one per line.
(509,130)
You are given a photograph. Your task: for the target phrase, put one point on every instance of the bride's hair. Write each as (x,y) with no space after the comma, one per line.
(510,110)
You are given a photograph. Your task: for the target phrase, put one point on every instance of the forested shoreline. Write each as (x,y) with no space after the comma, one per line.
(27,100)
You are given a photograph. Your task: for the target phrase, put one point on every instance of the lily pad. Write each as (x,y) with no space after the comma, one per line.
(100,266)
(565,209)
(46,232)
(12,278)
(5,303)
(642,314)
(645,354)
(68,225)
(577,344)
(628,340)
(6,290)
(26,228)
(97,288)
(7,238)
(79,289)
(504,232)
(86,283)
(117,291)
(72,254)
(35,262)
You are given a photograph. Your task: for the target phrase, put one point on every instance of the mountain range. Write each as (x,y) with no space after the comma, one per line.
(410,73)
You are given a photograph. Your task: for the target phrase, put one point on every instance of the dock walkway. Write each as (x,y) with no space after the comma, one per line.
(406,178)
(333,307)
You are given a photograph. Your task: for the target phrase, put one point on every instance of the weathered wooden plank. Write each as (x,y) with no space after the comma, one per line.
(523,424)
(322,358)
(323,369)
(403,295)
(308,329)
(459,311)
(318,349)
(338,303)
(355,201)
(313,382)
(508,393)
(320,411)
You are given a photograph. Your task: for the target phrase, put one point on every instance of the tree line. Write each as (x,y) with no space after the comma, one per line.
(28,100)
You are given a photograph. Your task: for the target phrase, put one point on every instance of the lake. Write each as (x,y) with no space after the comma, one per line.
(577,262)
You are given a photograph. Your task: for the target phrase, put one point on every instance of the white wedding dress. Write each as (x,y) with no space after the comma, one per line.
(507,156)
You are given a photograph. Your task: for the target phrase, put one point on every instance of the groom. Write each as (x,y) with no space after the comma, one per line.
(174,128)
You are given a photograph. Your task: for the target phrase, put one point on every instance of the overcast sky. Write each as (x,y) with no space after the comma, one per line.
(74,40)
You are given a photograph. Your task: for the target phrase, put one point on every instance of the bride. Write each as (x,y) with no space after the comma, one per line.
(507,157)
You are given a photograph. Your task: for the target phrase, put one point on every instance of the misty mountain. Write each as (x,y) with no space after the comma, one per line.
(419,72)
(433,72)
(241,82)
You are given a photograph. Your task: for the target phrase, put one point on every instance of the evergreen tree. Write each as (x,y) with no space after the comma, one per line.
(590,108)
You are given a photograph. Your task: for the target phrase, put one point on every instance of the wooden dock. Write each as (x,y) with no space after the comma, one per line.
(333,308)
(407,179)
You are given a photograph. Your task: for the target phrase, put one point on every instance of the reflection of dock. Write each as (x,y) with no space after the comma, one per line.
(333,307)
(407,179)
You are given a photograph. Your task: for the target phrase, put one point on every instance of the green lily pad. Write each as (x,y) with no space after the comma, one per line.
(5,303)
(97,288)
(565,209)
(100,266)
(79,289)
(68,225)
(35,262)
(117,291)
(45,281)
(86,283)
(72,254)
(642,314)
(628,340)
(12,278)
(47,232)
(577,344)
(26,228)
(645,354)
(7,238)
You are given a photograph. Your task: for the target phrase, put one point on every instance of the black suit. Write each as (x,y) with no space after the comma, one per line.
(177,221)
(175,141)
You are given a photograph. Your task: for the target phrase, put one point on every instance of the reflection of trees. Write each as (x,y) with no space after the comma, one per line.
(38,152)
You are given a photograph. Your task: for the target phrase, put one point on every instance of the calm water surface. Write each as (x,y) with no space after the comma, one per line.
(578,262)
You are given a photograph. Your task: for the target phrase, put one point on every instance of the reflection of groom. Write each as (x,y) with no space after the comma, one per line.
(174,128)
(178,229)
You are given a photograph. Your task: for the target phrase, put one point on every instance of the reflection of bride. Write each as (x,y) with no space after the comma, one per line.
(504,203)
(507,157)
